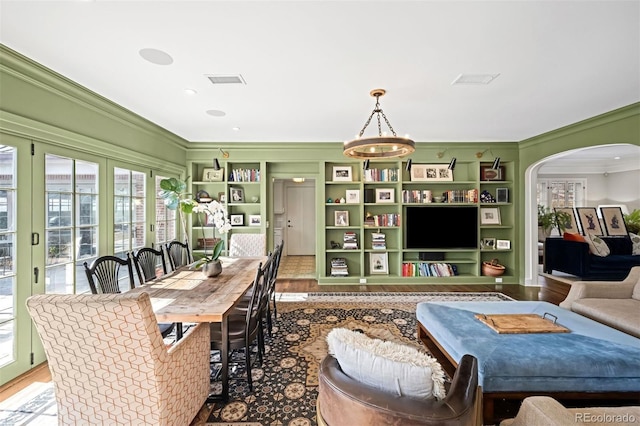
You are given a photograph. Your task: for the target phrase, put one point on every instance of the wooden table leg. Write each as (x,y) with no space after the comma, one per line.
(224,355)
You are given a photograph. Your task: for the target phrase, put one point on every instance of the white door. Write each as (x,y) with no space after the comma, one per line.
(300,219)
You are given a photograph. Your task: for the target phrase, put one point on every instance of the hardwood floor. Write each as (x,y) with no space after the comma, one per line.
(551,291)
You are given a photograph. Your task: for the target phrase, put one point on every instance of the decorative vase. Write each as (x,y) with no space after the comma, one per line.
(212,269)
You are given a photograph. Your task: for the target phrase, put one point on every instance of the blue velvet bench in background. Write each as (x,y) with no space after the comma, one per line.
(592,361)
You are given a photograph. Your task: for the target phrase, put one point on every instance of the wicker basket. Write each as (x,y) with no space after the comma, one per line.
(205,243)
(493,268)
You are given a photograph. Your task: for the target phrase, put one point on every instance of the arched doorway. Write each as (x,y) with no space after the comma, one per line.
(594,161)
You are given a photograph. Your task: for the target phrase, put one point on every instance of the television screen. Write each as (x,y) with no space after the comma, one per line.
(440,227)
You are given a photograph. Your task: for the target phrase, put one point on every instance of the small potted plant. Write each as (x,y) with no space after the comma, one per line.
(548,219)
(632,220)
(173,191)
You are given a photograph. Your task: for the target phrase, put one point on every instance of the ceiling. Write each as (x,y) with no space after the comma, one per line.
(309,65)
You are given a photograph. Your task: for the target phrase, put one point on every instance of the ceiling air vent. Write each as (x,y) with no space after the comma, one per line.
(226,79)
(475,78)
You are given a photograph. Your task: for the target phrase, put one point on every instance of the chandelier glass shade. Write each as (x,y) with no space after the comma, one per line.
(381,146)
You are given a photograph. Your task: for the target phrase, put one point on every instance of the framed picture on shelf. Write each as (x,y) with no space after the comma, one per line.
(342,174)
(384,195)
(431,173)
(341,218)
(589,221)
(572,227)
(488,243)
(379,263)
(236,195)
(210,174)
(487,173)
(222,197)
(236,219)
(255,220)
(613,221)
(352,196)
(503,244)
(489,216)
(502,195)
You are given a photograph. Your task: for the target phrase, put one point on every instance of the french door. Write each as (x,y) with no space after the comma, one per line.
(16,273)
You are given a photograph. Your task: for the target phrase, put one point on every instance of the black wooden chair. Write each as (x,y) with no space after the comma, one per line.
(104,274)
(179,254)
(146,261)
(271,287)
(244,327)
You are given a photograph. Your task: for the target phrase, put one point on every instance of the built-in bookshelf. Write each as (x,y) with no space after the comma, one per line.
(240,186)
(375,201)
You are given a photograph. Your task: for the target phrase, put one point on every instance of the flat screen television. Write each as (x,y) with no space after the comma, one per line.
(441,227)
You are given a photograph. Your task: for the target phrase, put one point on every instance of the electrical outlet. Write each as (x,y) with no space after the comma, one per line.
(498,280)
(363,280)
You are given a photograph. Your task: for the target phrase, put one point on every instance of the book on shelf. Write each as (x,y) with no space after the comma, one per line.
(427,269)
(339,267)
(244,175)
(386,219)
(378,241)
(381,175)
(350,241)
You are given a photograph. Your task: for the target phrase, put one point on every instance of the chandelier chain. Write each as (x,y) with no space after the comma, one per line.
(378,111)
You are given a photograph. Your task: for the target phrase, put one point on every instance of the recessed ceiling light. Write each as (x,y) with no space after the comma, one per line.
(474,78)
(235,128)
(190,91)
(616,158)
(156,56)
(216,113)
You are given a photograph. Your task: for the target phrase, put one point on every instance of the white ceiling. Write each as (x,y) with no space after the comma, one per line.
(309,65)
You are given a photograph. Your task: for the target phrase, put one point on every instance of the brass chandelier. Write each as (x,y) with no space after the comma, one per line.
(381,146)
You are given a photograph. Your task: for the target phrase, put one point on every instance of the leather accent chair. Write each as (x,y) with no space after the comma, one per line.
(344,401)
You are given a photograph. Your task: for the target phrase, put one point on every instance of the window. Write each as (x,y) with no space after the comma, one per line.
(165,219)
(71,188)
(561,192)
(8,189)
(129,211)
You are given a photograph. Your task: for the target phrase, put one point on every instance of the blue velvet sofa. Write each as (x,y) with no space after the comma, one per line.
(592,361)
(573,257)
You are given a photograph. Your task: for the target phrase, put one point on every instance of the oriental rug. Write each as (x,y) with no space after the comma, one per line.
(285,385)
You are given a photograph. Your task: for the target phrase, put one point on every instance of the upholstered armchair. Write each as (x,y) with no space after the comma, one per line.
(247,245)
(110,365)
(343,400)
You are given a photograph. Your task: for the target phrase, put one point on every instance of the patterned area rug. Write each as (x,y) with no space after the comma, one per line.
(286,384)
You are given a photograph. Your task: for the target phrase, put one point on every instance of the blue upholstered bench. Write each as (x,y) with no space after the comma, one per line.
(592,361)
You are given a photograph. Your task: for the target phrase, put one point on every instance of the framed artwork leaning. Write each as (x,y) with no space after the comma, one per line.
(613,221)
(572,226)
(431,173)
(589,221)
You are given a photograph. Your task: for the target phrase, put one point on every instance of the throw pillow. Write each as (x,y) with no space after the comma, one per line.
(597,246)
(635,243)
(388,366)
(573,237)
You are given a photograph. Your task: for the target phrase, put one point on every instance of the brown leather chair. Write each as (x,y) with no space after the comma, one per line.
(344,401)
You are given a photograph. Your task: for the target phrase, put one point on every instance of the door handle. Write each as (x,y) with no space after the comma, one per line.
(36,273)
(35,238)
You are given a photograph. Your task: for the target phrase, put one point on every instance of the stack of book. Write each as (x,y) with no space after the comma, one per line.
(378,241)
(350,241)
(339,267)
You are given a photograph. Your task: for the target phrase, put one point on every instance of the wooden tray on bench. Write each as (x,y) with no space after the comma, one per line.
(522,323)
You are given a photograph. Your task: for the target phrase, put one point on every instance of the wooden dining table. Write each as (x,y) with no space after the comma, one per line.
(187,296)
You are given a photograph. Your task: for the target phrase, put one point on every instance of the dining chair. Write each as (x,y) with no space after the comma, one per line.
(146,261)
(243,328)
(179,254)
(104,274)
(109,364)
(271,287)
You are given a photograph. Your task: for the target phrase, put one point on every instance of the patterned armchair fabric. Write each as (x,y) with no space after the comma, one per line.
(247,245)
(109,363)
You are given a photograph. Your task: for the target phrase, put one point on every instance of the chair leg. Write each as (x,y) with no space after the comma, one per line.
(247,363)
(269,323)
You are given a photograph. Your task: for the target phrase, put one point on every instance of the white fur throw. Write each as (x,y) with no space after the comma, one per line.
(398,369)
